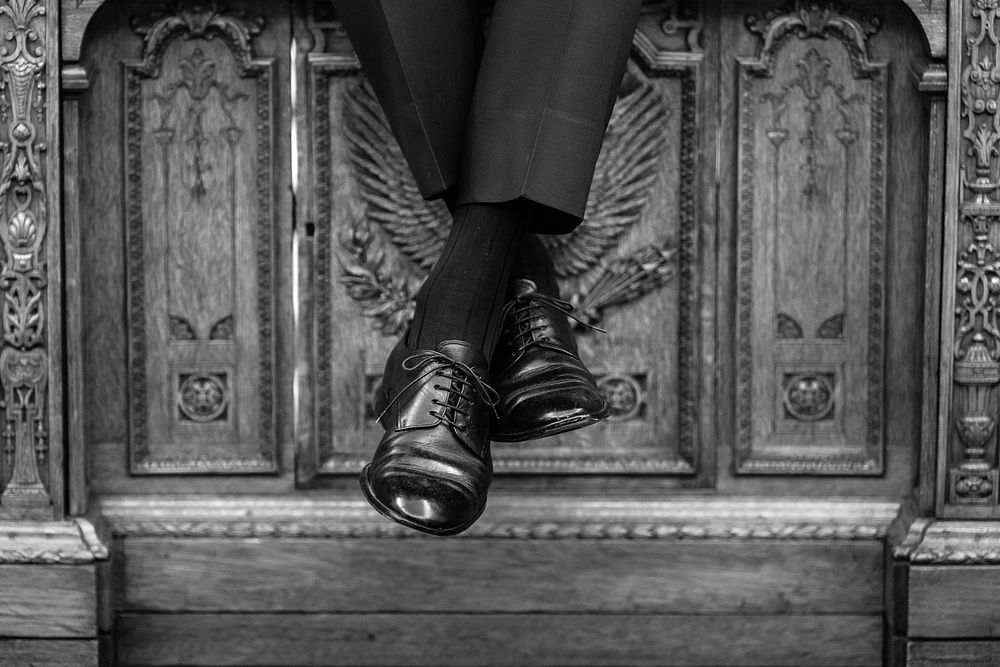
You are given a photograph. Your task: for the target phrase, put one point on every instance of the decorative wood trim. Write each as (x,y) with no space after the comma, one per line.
(933,17)
(74,83)
(852,30)
(207,23)
(932,81)
(508,517)
(48,543)
(31,462)
(931,542)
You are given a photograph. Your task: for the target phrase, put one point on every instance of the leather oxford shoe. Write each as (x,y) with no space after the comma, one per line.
(432,468)
(544,387)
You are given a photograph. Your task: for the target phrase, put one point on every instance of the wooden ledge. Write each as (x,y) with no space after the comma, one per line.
(931,542)
(72,542)
(537,516)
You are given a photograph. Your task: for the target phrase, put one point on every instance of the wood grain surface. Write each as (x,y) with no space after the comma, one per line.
(412,575)
(49,652)
(489,639)
(42,601)
(952,602)
(928,654)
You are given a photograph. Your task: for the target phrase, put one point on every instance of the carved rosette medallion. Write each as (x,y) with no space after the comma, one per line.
(200,125)
(376,239)
(973,475)
(624,394)
(812,180)
(203,398)
(24,361)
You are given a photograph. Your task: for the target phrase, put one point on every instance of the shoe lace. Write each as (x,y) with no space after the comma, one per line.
(461,379)
(530,322)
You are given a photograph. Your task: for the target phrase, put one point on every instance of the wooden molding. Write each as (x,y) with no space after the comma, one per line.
(508,517)
(933,17)
(951,543)
(56,542)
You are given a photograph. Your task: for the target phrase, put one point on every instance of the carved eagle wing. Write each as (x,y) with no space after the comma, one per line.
(418,228)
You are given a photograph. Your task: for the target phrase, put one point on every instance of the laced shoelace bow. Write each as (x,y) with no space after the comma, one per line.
(530,326)
(461,378)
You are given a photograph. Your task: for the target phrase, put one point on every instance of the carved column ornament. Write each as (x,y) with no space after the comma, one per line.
(25,477)
(972,466)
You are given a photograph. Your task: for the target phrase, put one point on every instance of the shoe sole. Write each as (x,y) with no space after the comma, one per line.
(389,513)
(554,428)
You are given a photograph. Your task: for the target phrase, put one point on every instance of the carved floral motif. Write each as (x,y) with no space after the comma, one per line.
(203,398)
(198,79)
(624,394)
(813,80)
(809,398)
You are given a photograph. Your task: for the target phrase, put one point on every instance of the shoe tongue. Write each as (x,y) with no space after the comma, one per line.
(463,352)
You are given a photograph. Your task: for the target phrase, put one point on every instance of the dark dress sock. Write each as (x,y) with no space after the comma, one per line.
(534,263)
(465,292)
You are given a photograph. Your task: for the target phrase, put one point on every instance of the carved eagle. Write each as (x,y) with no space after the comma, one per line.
(626,170)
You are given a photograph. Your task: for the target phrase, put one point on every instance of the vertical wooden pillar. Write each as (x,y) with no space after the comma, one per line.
(74,83)
(943,574)
(31,433)
(968,474)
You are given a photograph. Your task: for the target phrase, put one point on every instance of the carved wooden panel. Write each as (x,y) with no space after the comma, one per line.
(634,275)
(199,196)
(812,178)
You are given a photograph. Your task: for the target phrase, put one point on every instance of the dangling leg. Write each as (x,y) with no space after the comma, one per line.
(421,59)
(547,85)
(432,469)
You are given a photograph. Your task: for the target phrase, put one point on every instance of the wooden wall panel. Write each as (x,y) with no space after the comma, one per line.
(501,576)
(812,190)
(48,601)
(898,44)
(199,135)
(49,652)
(953,653)
(185,212)
(488,639)
(951,602)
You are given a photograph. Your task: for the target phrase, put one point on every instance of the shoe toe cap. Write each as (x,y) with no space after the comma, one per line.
(557,403)
(433,505)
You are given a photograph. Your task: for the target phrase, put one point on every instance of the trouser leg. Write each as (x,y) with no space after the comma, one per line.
(547,84)
(421,57)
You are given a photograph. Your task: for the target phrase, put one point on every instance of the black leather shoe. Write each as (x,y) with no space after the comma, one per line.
(432,468)
(544,387)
